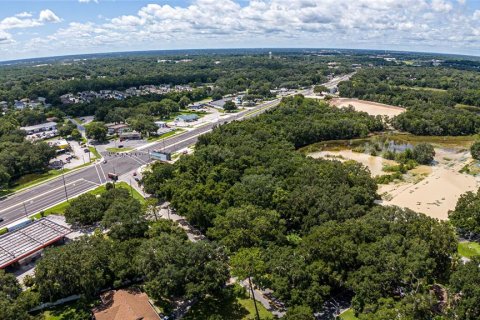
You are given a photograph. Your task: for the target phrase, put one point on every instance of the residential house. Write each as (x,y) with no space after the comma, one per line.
(128,304)
(19,105)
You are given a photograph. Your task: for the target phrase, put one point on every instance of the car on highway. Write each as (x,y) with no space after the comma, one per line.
(1,220)
(105,161)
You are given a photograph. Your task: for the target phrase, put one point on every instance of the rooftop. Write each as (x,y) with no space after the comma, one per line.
(39,126)
(125,305)
(187,117)
(18,244)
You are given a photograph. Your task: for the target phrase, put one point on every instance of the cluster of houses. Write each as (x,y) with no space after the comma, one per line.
(88,96)
(25,103)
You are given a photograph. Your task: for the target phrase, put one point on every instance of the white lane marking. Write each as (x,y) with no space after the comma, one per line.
(99,177)
(103,172)
(97,184)
(41,195)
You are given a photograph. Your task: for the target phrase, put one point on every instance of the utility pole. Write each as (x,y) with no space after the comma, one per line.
(64,184)
(253,297)
(131,188)
(25,208)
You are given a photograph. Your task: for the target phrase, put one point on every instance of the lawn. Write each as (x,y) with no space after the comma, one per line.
(348,315)
(165,135)
(233,305)
(61,207)
(469,249)
(69,311)
(29,180)
(116,150)
(95,152)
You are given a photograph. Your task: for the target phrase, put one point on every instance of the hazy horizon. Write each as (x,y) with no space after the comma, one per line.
(33,29)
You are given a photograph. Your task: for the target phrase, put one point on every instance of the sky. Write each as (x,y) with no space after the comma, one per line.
(37,28)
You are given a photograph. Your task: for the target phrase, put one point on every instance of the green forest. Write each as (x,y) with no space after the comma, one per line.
(439,100)
(308,229)
(227,73)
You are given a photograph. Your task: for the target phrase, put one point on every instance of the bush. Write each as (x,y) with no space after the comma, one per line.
(475,150)
(423,153)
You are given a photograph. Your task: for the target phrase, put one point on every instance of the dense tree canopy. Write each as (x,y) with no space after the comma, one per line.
(97,131)
(466,216)
(19,156)
(439,101)
(328,237)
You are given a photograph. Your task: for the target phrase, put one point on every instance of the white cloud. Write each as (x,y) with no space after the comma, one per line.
(48,16)
(25,20)
(5,37)
(87,1)
(24,15)
(441,6)
(14,22)
(407,24)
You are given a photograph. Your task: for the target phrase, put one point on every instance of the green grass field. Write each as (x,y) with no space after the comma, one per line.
(95,152)
(30,180)
(469,249)
(68,311)
(348,315)
(235,305)
(116,150)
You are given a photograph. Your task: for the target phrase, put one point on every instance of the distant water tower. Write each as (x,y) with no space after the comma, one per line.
(270,55)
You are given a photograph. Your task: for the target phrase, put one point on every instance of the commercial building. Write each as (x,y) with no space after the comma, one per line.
(47,126)
(161,124)
(187,117)
(131,135)
(116,128)
(22,243)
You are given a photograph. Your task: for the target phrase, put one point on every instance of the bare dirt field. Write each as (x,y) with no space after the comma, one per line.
(432,190)
(372,108)
(374,164)
(439,191)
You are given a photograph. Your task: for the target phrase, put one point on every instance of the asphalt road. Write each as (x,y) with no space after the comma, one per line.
(52,192)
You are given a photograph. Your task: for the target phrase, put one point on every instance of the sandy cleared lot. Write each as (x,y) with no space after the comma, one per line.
(374,164)
(439,191)
(372,108)
(432,190)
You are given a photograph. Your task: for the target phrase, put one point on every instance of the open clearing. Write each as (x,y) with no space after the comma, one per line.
(469,249)
(372,108)
(439,191)
(433,190)
(374,164)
